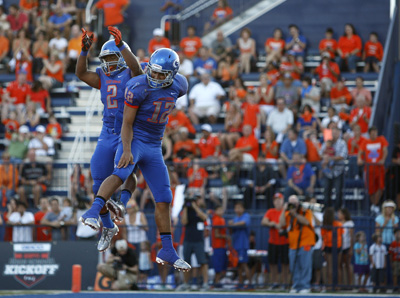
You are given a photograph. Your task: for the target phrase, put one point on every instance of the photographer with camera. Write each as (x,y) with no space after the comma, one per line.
(121,267)
(193,218)
(298,223)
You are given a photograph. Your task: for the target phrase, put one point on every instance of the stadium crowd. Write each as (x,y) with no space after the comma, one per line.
(292,132)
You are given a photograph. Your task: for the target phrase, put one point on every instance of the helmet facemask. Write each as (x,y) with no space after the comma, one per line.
(157,83)
(112,67)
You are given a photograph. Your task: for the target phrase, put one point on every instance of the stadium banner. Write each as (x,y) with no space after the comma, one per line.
(46,265)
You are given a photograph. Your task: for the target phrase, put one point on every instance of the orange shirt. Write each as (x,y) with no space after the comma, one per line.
(274,237)
(268,153)
(188,145)
(9,177)
(154,44)
(180,120)
(74,44)
(190,46)
(276,45)
(325,43)
(40,97)
(336,93)
(249,141)
(373,150)
(112,11)
(59,75)
(273,76)
(324,72)
(42,233)
(222,13)
(27,67)
(288,67)
(218,242)
(360,114)
(20,92)
(199,177)
(4,45)
(28,4)
(312,151)
(265,91)
(373,49)
(327,235)
(307,235)
(208,146)
(354,151)
(347,45)
(54,130)
(251,111)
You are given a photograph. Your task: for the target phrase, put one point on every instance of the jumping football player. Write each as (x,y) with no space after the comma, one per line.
(111,78)
(149,98)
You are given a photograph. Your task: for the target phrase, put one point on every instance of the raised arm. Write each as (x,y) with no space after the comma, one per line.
(89,77)
(130,59)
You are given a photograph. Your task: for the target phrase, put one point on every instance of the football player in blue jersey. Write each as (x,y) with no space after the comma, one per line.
(111,77)
(149,98)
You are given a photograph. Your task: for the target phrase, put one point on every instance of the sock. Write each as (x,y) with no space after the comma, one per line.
(97,205)
(166,240)
(125,196)
(106,219)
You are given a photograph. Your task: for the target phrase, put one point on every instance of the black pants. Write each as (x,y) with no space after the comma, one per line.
(330,184)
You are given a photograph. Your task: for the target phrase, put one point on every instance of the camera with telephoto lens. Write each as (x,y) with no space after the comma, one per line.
(117,265)
(315,207)
(189,200)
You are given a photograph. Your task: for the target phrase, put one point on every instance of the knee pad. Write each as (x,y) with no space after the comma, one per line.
(163,196)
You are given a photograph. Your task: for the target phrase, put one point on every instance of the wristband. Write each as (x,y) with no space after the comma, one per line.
(84,53)
(122,47)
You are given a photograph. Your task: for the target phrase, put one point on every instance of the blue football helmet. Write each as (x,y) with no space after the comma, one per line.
(112,67)
(165,61)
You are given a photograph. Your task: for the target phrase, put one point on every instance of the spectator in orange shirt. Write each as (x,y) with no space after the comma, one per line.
(54,129)
(74,49)
(349,48)
(360,115)
(40,97)
(246,148)
(273,73)
(4,47)
(40,51)
(328,73)
(340,96)
(113,12)
(8,179)
(191,44)
(247,47)
(373,153)
(265,96)
(300,244)
(355,142)
(185,146)
(313,145)
(209,145)
(361,90)
(278,245)
(16,95)
(11,124)
(228,70)
(176,120)
(158,41)
(270,148)
(197,180)
(291,65)
(328,44)
(251,112)
(373,53)
(29,6)
(274,47)
(219,238)
(52,74)
(221,14)
(233,126)
(329,224)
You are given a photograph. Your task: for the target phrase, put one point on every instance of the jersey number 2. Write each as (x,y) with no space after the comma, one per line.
(111,102)
(168,106)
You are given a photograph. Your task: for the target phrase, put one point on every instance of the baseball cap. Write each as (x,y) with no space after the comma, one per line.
(287,75)
(206,127)
(158,32)
(121,244)
(183,129)
(23,129)
(41,129)
(326,55)
(278,195)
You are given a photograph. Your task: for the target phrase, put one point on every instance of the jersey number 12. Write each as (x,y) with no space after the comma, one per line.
(164,116)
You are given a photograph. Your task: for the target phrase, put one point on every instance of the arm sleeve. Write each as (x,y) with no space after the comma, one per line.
(134,94)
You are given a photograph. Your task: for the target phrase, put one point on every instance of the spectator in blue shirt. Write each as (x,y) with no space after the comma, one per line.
(301,177)
(61,21)
(240,239)
(205,63)
(293,143)
(296,43)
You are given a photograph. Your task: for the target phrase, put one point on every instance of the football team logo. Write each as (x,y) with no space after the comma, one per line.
(31,263)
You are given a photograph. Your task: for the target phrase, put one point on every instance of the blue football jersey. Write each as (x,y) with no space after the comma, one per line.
(112,90)
(153,104)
